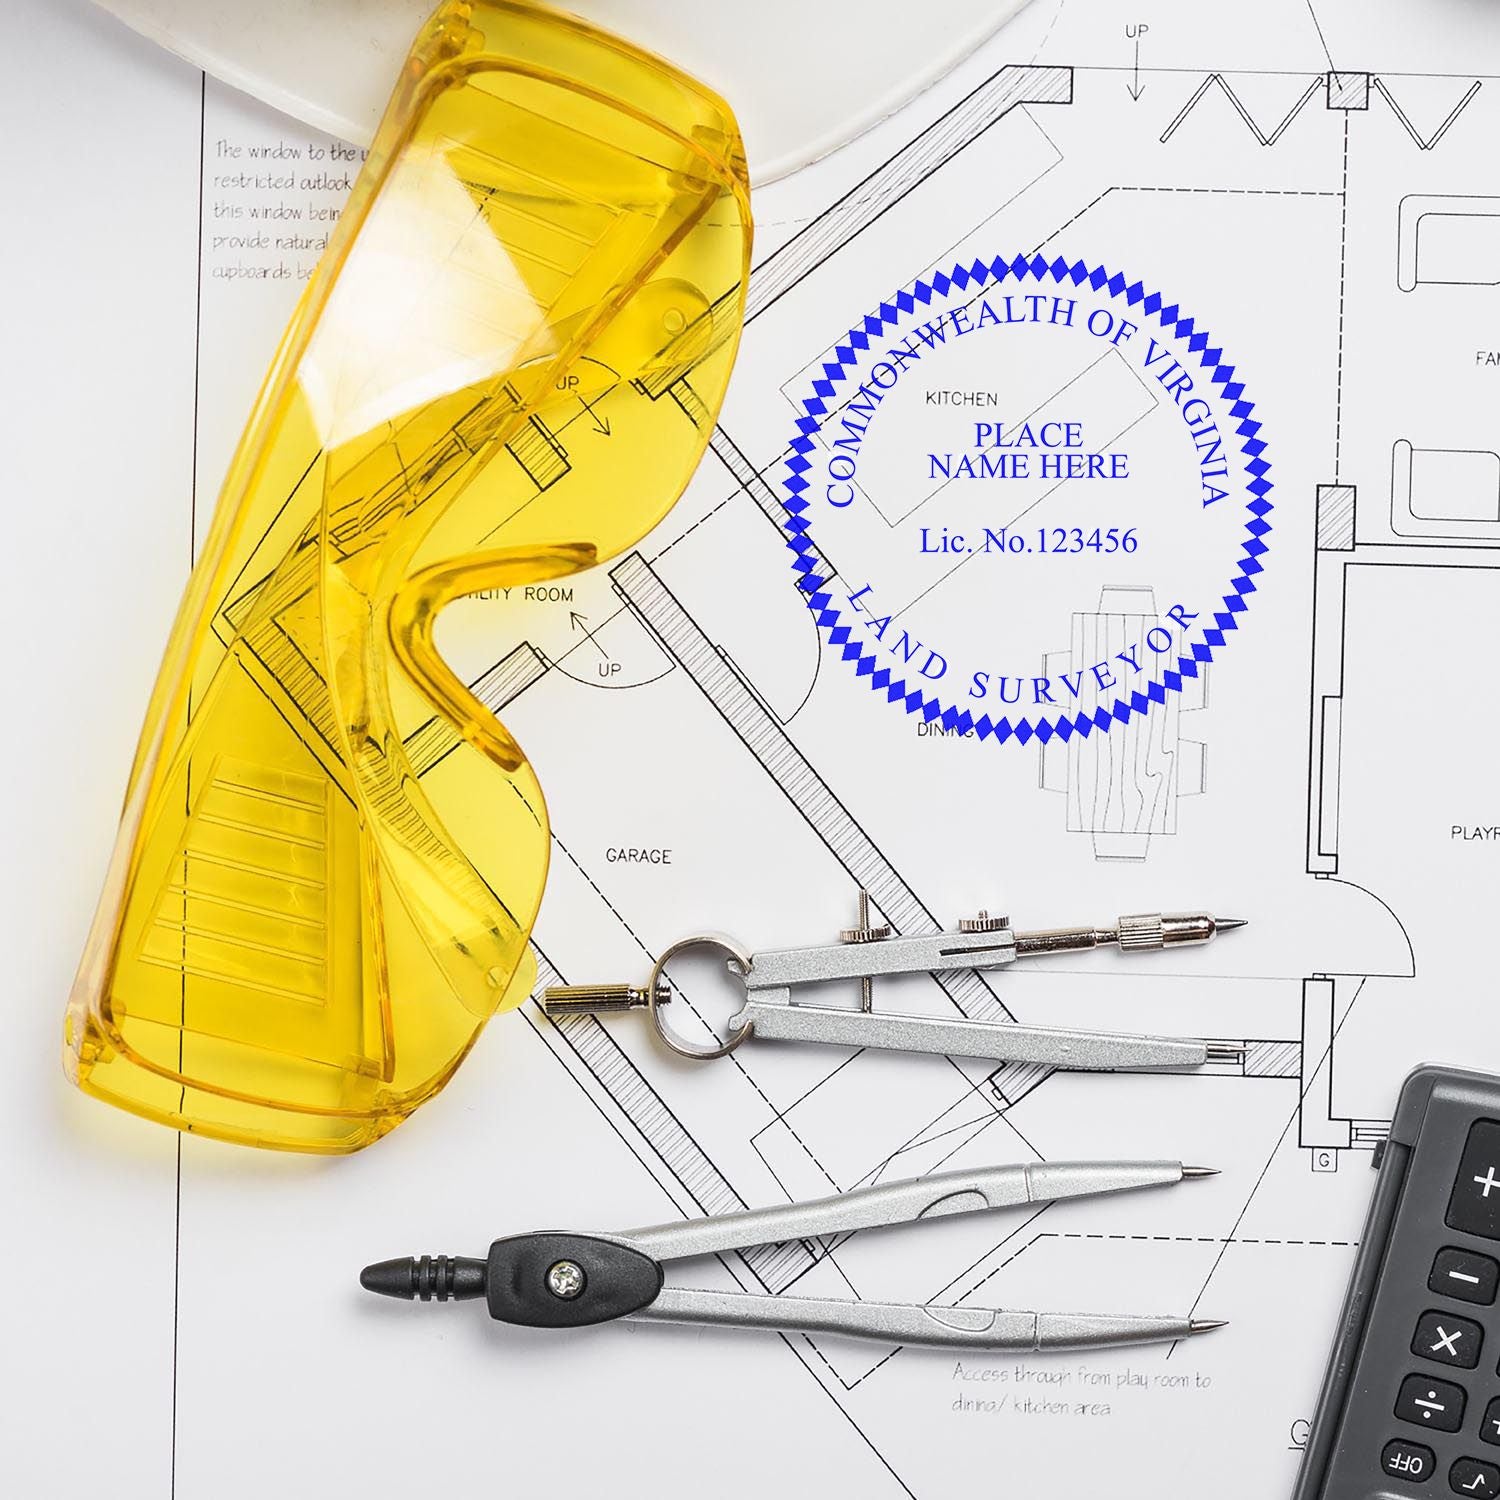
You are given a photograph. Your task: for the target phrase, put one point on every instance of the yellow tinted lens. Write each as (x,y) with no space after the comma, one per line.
(505,369)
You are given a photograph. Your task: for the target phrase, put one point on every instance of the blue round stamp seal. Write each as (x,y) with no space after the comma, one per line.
(1046,492)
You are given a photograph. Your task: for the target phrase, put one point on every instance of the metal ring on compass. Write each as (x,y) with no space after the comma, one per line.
(655,985)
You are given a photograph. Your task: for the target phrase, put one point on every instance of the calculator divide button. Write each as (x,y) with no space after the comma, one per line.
(1465,1275)
(1474,1206)
(1437,1405)
(1448,1339)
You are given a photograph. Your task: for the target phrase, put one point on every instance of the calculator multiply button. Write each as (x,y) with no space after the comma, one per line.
(1409,1461)
(1448,1339)
(1475,1204)
(1466,1275)
(1472,1476)
(1435,1404)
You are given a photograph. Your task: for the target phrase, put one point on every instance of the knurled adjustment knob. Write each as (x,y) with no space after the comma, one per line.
(866,934)
(984,922)
(1142,932)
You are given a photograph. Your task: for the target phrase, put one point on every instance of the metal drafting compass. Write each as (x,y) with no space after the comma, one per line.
(870,951)
(564,1279)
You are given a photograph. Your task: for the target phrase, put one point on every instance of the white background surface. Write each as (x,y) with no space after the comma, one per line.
(182,1318)
(812,77)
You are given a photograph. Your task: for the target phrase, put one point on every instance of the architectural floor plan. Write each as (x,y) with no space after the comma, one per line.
(1322,195)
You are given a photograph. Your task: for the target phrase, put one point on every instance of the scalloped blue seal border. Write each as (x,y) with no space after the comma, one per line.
(979,274)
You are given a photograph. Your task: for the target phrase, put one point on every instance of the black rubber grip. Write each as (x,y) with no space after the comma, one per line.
(616,1280)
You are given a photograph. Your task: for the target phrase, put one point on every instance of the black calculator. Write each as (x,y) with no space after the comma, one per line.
(1410,1404)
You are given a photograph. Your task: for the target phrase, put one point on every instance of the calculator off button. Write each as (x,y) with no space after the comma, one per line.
(1475,1204)
(1435,1404)
(1409,1461)
(1466,1275)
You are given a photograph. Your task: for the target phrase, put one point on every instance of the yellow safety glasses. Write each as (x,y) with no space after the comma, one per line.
(504,370)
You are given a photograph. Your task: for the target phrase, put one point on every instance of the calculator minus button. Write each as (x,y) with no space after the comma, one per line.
(1466,1275)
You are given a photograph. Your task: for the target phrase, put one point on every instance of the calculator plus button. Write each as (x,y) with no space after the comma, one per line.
(1465,1274)
(1409,1461)
(1470,1476)
(1436,1404)
(1475,1204)
(1449,1340)
(1489,1429)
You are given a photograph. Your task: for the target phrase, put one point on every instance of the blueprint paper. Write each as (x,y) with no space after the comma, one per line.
(1316,191)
